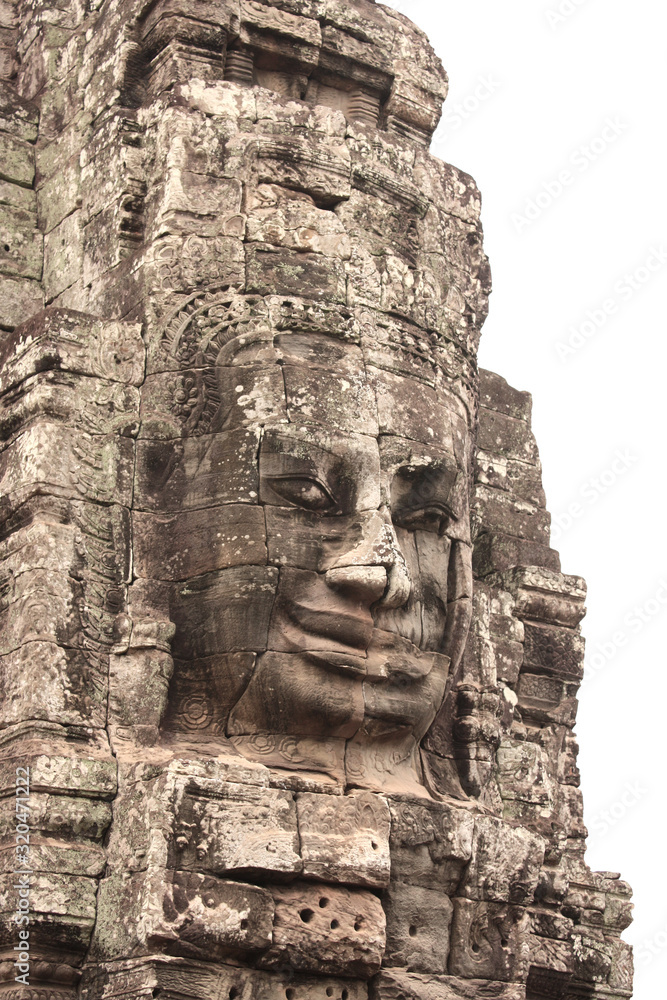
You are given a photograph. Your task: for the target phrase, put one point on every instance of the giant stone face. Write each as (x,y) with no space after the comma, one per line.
(308,530)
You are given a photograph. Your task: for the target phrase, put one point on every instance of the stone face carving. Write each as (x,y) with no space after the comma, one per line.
(285,651)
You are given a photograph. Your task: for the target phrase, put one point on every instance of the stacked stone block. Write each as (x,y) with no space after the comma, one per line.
(177,177)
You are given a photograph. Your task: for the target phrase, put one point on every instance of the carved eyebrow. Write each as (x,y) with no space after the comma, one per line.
(329,472)
(284,463)
(429,485)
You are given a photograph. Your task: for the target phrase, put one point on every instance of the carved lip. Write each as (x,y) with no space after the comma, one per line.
(351,633)
(343,663)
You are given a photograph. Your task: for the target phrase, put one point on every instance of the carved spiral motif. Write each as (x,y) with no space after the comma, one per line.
(197,713)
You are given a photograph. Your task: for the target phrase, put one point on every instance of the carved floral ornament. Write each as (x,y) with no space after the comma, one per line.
(219,326)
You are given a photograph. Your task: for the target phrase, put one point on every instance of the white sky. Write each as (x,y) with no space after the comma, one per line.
(584,92)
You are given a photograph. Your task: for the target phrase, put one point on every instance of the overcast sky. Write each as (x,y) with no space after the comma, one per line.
(557,108)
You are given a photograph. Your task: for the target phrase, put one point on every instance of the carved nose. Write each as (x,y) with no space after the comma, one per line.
(366,583)
(373,570)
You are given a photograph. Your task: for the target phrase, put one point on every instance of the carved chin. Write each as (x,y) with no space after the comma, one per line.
(325,694)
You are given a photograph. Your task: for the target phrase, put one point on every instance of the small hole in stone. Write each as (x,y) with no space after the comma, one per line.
(234,993)
(475,948)
(156,993)
(306,915)
(359,923)
(244,924)
(329,991)
(504,942)
(374,845)
(6,247)
(334,924)
(344,995)
(324,902)
(413,931)
(289,993)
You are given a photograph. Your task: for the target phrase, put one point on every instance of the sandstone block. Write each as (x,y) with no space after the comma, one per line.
(63,256)
(505,435)
(400,985)
(273,270)
(246,592)
(51,458)
(185,913)
(488,941)
(418,928)
(431,843)
(499,512)
(236,829)
(20,298)
(496,394)
(321,170)
(505,863)
(547,699)
(345,839)
(203,691)
(18,159)
(41,680)
(74,342)
(559,652)
(327,929)
(525,775)
(62,913)
(20,243)
(181,546)
(193,979)
(544,595)
(496,552)
(225,465)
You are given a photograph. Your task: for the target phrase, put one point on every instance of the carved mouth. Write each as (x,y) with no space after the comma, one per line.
(350,633)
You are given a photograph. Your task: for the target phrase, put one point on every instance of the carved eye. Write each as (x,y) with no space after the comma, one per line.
(435,519)
(304,492)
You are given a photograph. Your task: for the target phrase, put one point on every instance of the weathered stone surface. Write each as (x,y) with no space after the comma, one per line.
(185,913)
(558,652)
(286,654)
(418,928)
(345,839)
(218,818)
(19,299)
(546,596)
(327,929)
(239,829)
(65,340)
(431,843)
(488,940)
(397,985)
(505,863)
(194,979)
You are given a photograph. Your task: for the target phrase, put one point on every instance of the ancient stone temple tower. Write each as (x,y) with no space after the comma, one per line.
(288,667)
